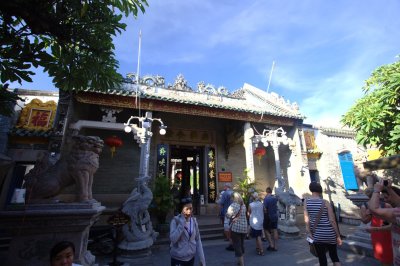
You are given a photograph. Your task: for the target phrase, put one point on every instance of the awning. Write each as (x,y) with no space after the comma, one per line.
(383,163)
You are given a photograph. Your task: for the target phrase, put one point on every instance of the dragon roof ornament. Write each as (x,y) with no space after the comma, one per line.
(247,99)
(180,84)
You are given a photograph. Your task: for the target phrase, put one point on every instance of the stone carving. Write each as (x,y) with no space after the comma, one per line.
(110,114)
(47,180)
(138,234)
(289,200)
(277,99)
(181,84)
(131,77)
(210,89)
(153,81)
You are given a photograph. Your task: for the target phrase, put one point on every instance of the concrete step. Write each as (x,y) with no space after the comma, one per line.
(207,232)
(362,239)
(358,247)
(362,233)
(4,243)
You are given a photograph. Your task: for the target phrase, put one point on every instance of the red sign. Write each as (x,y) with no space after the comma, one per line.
(224,176)
(39,118)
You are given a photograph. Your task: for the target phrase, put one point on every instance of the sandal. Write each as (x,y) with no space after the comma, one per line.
(260,252)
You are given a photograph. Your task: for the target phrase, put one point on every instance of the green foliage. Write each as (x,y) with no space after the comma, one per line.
(245,187)
(163,200)
(7,101)
(376,116)
(71,39)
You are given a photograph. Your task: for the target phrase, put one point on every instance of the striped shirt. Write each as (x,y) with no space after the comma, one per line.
(323,232)
(240,223)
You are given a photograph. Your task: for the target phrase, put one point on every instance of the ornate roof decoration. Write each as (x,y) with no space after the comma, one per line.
(337,132)
(37,115)
(248,99)
(21,132)
(272,97)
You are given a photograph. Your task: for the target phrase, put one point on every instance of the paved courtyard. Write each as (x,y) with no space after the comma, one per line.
(291,252)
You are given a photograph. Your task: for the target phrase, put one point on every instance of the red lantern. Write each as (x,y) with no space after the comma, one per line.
(259,152)
(113,142)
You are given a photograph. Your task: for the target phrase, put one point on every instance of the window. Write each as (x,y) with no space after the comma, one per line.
(347,166)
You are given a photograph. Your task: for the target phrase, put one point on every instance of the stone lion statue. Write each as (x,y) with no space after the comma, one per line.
(47,180)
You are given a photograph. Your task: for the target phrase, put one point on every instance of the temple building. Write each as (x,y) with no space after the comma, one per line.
(212,137)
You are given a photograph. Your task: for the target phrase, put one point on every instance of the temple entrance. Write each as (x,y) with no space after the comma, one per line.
(186,169)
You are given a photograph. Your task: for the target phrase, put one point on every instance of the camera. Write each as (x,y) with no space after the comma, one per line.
(385,183)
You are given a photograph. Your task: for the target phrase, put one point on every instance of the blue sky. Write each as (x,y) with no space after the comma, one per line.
(323,50)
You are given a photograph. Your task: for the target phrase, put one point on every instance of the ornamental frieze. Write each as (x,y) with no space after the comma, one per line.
(117,101)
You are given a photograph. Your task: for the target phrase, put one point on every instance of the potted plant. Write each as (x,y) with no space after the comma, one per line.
(163,200)
(245,187)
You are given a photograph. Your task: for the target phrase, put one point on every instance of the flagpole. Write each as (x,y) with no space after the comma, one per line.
(138,70)
(269,83)
(270,75)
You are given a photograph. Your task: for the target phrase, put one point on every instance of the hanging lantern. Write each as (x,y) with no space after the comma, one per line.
(113,142)
(259,152)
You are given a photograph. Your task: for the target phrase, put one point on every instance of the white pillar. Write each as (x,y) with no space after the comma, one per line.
(278,174)
(145,151)
(248,147)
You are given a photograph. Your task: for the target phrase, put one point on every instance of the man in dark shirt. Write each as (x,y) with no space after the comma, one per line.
(271,217)
(224,202)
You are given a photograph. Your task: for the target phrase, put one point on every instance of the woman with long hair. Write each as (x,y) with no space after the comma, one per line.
(236,214)
(324,233)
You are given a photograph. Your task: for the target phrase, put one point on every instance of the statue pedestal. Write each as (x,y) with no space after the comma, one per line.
(288,231)
(36,228)
(360,241)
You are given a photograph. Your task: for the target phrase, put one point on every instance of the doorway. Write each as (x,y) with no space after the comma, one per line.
(186,169)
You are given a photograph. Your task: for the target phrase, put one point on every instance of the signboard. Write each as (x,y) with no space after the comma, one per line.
(211,175)
(162,159)
(224,176)
(39,118)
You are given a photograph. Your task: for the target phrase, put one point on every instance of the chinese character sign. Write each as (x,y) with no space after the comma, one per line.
(39,118)
(162,159)
(211,175)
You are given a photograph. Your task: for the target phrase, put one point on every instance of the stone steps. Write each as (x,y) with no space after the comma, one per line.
(4,243)
(359,242)
(207,232)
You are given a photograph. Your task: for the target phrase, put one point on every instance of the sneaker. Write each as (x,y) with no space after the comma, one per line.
(230,248)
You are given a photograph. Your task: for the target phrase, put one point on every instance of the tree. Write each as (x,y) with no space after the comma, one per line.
(70,39)
(376,116)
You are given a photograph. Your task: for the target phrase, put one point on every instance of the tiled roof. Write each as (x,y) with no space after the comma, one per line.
(21,132)
(340,132)
(238,101)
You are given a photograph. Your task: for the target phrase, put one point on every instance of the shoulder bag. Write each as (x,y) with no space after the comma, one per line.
(234,218)
(313,250)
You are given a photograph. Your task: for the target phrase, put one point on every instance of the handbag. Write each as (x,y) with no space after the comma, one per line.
(234,218)
(313,250)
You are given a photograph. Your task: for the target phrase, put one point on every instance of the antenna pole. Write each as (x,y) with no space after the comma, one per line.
(138,68)
(270,75)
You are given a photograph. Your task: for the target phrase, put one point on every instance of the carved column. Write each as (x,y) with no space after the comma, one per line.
(145,150)
(248,146)
(278,174)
